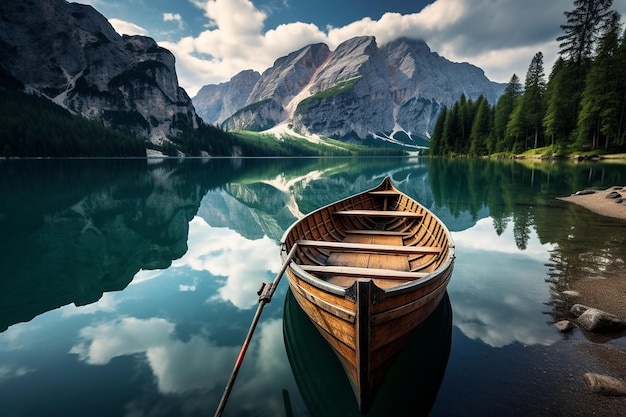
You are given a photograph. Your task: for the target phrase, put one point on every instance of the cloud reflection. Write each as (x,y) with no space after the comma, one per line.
(500,299)
(195,364)
(179,366)
(8,372)
(108,303)
(244,263)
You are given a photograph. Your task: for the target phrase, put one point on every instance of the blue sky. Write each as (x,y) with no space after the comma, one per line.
(215,39)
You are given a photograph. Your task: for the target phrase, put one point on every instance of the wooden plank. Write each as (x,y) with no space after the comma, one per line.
(377,232)
(365,247)
(384,193)
(396,263)
(379,213)
(363,272)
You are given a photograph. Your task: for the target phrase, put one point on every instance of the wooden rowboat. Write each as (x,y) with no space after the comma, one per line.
(367,271)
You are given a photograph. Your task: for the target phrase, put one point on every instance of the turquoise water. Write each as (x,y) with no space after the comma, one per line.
(127,287)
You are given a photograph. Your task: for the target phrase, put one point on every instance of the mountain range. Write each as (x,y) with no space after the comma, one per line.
(392,92)
(70,54)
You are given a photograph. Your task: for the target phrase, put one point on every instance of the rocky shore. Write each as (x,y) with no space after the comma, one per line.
(610,202)
(605,294)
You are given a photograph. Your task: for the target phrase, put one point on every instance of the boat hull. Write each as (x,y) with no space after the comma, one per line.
(367,314)
(411,385)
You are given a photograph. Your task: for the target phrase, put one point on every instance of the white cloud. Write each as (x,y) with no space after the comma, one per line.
(127,28)
(174,17)
(499,36)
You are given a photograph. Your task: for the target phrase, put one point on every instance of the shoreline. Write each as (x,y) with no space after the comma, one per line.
(600,201)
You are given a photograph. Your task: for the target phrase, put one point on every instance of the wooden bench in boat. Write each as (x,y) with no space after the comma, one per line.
(386,193)
(376,232)
(368,247)
(379,213)
(363,272)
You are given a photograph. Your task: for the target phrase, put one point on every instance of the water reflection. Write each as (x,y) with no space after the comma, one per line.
(411,385)
(239,264)
(501,301)
(75,230)
(190,241)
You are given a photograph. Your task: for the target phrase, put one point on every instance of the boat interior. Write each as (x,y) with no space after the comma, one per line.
(382,235)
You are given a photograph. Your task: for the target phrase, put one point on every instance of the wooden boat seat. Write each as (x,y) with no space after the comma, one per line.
(368,247)
(363,272)
(377,232)
(379,213)
(387,193)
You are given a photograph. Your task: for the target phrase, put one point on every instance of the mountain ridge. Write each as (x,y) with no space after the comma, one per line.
(400,87)
(70,54)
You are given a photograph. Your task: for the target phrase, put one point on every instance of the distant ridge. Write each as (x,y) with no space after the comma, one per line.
(358,91)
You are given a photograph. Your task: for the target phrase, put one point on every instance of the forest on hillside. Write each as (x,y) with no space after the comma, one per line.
(581,107)
(33,126)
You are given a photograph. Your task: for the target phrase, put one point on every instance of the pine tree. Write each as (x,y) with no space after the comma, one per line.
(582,29)
(515,128)
(599,114)
(532,103)
(453,129)
(561,101)
(436,141)
(503,110)
(620,60)
(481,128)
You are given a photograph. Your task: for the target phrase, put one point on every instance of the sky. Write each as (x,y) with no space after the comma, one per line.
(213,40)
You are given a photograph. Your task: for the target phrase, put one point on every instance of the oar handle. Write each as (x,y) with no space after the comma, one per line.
(265,296)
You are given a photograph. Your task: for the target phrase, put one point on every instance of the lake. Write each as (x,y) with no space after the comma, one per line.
(128,286)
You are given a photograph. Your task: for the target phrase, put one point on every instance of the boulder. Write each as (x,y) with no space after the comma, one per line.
(605,385)
(578,309)
(571,294)
(595,320)
(613,195)
(584,192)
(564,326)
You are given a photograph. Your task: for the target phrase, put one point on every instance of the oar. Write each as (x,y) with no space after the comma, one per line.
(265,296)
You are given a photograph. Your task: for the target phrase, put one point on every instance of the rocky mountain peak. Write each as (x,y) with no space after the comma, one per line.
(289,75)
(217,102)
(359,90)
(71,54)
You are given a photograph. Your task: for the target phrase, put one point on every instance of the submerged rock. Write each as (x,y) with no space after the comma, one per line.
(613,195)
(584,192)
(595,320)
(605,385)
(578,309)
(564,326)
(571,294)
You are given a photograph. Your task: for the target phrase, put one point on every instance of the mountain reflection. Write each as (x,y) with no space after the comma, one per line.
(72,230)
(189,242)
(75,229)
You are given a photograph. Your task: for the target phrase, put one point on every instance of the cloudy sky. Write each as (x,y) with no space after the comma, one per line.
(215,39)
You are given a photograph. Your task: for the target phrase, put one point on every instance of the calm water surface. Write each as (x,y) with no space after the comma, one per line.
(127,287)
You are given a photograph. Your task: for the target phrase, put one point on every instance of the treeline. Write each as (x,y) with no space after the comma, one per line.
(32,126)
(581,107)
